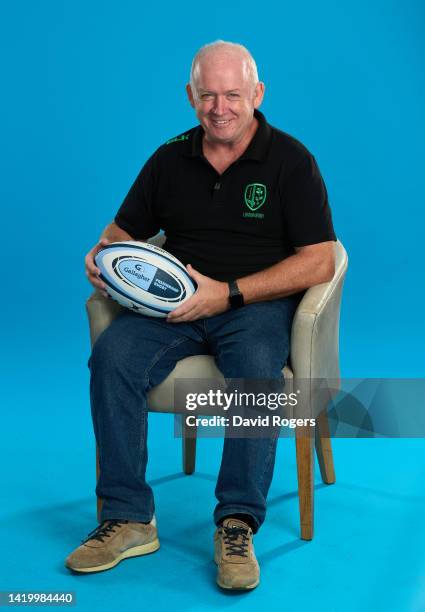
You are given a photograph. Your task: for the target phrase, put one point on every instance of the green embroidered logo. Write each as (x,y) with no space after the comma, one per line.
(178,138)
(255,195)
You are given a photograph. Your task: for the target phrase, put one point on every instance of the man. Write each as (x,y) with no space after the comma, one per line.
(243,205)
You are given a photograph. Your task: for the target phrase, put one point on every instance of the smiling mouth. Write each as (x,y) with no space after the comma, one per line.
(221,122)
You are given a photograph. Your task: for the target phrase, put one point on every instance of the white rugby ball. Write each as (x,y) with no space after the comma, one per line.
(144,277)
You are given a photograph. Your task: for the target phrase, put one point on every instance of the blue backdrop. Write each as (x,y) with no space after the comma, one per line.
(90,89)
(93,88)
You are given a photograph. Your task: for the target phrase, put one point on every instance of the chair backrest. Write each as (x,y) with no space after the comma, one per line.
(315,329)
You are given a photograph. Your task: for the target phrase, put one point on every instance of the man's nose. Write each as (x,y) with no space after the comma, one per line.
(220,105)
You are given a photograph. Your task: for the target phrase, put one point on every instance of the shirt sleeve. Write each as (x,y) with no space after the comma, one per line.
(307,215)
(136,214)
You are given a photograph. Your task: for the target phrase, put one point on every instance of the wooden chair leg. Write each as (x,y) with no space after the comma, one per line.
(305,468)
(188,446)
(324,449)
(99,499)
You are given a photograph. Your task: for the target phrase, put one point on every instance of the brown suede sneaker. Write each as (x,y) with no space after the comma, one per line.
(234,554)
(111,542)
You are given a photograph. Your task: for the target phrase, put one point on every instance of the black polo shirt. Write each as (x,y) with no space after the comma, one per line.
(270,200)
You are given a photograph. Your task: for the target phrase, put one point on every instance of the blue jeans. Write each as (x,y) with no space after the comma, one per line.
(136,353)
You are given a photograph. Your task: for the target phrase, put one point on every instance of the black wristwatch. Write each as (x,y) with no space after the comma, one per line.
(235,296)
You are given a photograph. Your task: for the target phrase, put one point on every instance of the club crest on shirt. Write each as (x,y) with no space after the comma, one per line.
(255,195)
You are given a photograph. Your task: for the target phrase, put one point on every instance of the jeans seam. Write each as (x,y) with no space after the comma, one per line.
(273,442)
(162,351)
(154,361)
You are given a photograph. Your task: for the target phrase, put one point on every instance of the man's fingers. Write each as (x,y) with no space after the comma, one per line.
(92,271)
(181,315)
(95,280)
(92,268)
(185,307)
(191,316)
(98,285)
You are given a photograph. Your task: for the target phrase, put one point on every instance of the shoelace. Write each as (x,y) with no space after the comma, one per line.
(236,540)
(102,531)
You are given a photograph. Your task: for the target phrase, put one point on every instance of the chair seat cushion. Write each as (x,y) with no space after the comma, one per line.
(200,367)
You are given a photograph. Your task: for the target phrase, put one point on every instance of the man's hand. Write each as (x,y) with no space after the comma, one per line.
(211,298)
(92,271)
(111,233)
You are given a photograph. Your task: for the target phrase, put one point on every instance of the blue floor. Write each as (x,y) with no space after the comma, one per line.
(367,553)
(86,105)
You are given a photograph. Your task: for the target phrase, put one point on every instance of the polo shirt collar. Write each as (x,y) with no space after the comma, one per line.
(256,149)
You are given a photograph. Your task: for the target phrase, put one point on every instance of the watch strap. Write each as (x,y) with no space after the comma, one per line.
(235,296)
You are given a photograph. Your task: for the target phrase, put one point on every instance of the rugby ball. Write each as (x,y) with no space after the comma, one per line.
(144,277)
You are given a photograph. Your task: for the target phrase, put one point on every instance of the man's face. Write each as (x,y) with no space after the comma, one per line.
(225,98)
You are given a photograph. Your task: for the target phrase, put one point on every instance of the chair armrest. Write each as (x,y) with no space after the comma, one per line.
(315,329)
(102,311)
(158,240)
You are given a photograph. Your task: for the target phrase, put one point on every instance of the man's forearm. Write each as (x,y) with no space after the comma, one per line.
(113,233)
(292,275)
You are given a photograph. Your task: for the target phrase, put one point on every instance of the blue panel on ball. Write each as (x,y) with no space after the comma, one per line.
(139,274)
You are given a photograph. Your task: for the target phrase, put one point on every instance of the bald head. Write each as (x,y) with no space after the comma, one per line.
(224,54)
(224,90)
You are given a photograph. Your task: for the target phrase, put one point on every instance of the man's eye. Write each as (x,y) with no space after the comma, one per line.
(233,95)
(206,96)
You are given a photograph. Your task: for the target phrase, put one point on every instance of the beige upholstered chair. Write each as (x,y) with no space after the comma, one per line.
(314,355)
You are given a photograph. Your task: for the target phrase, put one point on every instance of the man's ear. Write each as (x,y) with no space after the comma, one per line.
(260,88)
(190,95)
